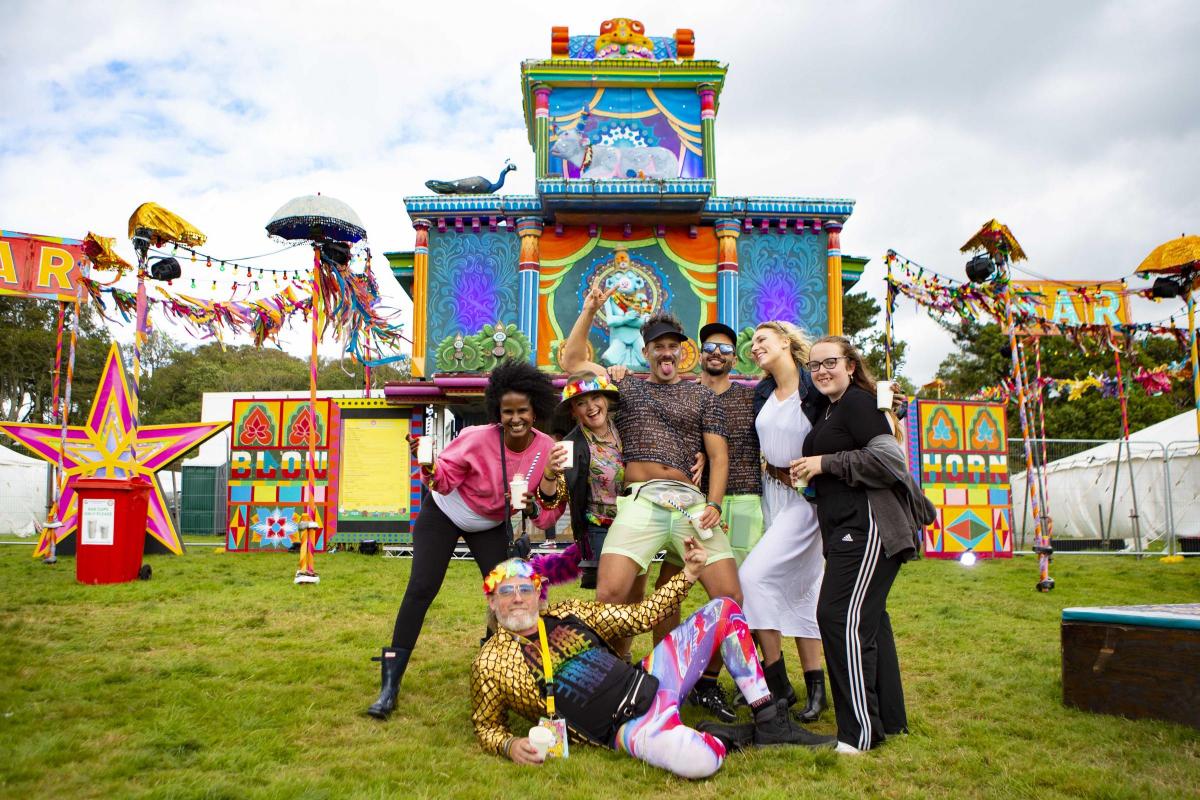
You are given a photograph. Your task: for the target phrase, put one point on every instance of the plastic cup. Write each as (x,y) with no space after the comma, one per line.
(425,450)
(799,482)
(542,740)
(569,446)
(704,533)
(883,395)
(518,487)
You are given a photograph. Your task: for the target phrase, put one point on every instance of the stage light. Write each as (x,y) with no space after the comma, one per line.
(968,559)
(1165,288)
(980,268)
(165,269)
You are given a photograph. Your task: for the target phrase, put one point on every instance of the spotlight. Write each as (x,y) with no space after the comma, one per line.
(165,269)
(980,268)
(1165,288)
(141,242)
(335,253)
(968,559)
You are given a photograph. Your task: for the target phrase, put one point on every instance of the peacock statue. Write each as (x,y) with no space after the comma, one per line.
(474,185)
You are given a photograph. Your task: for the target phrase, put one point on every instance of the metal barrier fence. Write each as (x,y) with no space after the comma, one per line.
(1104,491)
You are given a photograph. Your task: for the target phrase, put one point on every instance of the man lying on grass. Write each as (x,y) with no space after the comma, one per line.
(603,699)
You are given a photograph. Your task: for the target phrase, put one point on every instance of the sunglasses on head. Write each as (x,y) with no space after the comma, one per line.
(509,590)
(712,347)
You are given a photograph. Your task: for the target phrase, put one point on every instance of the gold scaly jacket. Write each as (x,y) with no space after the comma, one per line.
(502,681)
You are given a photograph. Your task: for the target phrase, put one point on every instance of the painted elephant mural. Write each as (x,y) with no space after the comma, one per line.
(607,161)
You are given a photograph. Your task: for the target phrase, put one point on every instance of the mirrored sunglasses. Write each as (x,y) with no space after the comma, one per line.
(509,590)
(711,347)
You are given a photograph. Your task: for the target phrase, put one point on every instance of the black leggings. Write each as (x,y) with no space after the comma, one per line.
(434,538)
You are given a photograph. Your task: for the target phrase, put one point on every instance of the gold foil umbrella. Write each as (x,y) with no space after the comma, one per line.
(164,226)
(1181,257)
(1173,257)
(995,238)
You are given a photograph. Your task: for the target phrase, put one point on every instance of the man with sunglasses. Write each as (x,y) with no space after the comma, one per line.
(558,660)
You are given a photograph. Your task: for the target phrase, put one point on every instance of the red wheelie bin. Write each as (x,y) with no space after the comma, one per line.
(112,529)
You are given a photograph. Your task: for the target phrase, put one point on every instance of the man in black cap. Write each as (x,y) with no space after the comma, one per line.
(664,421)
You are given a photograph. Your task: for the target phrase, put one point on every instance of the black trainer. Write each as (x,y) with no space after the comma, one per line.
(710,696)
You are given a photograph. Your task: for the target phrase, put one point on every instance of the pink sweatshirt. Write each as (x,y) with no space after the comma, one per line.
(471,465)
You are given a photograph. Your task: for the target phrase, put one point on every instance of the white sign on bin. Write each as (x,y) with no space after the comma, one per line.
(97,521)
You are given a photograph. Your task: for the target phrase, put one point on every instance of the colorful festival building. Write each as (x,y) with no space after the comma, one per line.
(623,130)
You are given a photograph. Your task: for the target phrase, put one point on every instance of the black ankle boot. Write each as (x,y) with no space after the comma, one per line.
(773,725)
(778,683)
(814,682)
(392,664)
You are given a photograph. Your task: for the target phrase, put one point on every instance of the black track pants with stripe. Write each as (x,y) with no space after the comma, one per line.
(860,651)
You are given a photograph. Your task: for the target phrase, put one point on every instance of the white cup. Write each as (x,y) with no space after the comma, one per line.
(569,446)
(799,482)
(704,533)
(425,450)
(883,395)
(518,487)
(542,740)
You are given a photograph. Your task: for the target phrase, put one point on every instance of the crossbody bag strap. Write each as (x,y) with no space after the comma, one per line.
(508,528)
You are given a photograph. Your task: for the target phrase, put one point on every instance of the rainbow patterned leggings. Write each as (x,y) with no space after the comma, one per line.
(659,737)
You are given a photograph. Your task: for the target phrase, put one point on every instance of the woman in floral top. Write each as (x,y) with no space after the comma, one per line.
(598,474)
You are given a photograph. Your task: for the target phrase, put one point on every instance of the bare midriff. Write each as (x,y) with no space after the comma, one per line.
(639,471)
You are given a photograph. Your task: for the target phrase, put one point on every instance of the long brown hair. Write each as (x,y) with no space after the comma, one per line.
(861,377)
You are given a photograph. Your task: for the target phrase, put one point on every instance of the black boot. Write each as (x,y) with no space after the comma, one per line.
(778,683)
(392,663)
(814,681)
(773,725)
(734,737)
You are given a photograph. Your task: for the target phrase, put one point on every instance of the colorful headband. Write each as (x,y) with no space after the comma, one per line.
(513,568)
(583,386)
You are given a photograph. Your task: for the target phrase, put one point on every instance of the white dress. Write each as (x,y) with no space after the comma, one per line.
(781,577)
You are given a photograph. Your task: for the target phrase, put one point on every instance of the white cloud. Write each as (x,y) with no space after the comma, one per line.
(1077,123)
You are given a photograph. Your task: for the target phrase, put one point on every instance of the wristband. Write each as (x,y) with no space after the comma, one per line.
(711,504)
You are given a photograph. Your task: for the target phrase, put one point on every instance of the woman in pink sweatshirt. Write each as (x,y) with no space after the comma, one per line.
(468,498)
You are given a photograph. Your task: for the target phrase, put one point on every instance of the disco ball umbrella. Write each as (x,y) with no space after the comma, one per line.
(316,218)
(322,220)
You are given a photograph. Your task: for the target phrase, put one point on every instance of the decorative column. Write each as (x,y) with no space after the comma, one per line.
(727,231)
(708,116)
(541,121)
(528,268)
(420,296)
(834,276)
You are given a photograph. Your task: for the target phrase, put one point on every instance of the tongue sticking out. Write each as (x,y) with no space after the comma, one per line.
(667,368)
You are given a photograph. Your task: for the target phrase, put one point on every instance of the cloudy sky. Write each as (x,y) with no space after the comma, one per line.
(1076,123)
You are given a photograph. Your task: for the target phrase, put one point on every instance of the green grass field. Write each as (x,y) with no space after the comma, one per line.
(221,679)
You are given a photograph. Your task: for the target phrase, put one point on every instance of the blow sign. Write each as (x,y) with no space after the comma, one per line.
(41,267)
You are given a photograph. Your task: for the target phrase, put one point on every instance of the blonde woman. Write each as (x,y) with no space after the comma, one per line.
(781,578)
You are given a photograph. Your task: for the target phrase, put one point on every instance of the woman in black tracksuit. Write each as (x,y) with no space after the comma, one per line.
(860,651)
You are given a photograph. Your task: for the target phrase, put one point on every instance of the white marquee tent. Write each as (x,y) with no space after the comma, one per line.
(1165,460)
(22,492)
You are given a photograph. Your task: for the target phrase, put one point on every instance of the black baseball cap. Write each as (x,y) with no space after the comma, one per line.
(660,329)
(717,327)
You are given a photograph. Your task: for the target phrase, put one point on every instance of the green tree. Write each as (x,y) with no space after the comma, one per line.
(981,361)
(27,347)
(860,312)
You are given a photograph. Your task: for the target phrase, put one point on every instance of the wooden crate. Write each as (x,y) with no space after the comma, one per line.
(1133,661)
